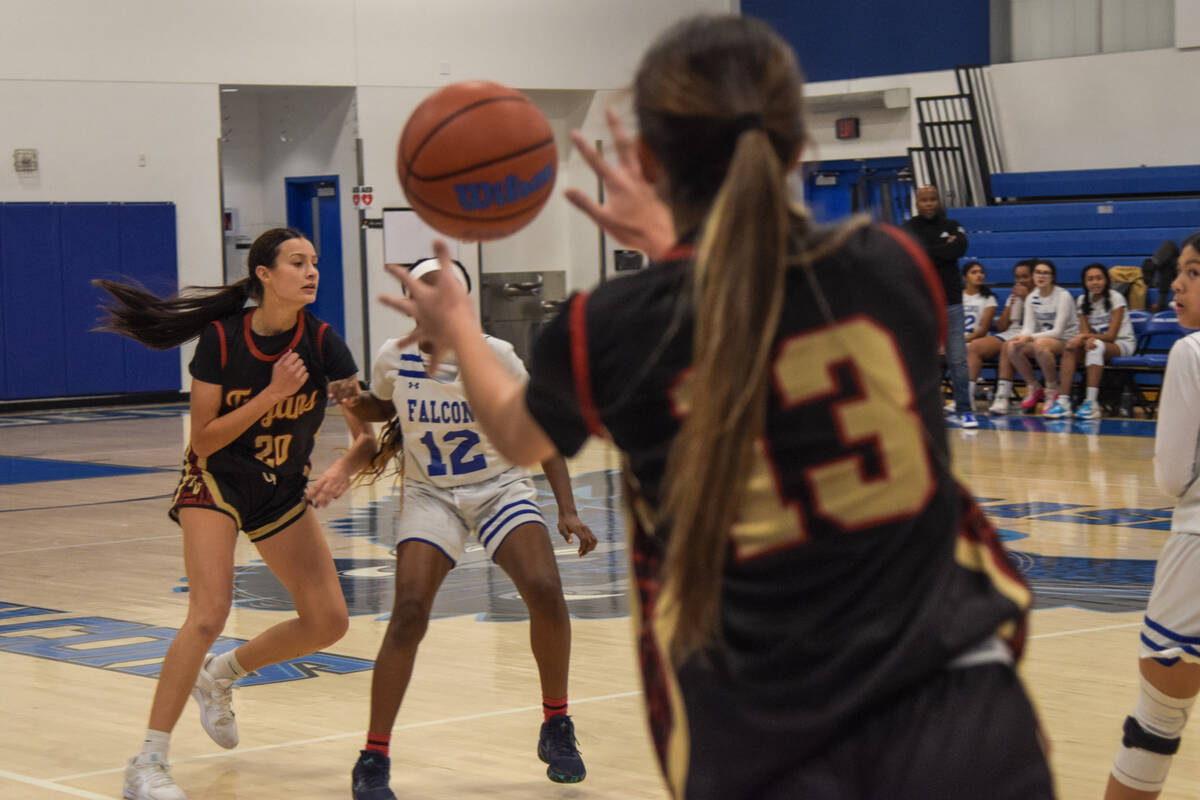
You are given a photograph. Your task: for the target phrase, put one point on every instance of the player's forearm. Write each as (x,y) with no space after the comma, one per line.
(222,430)
(559,479)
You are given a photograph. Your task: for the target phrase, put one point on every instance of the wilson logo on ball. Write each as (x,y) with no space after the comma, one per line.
(480,195)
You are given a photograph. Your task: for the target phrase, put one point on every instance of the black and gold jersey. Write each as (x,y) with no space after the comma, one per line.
(858,565)
(240,361)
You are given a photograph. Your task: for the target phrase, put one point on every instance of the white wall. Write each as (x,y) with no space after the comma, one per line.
(89,138)
(882,132)
(1115,110)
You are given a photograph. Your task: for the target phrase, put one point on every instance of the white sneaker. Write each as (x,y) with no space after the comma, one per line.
(999,406)
(215,698)
(147,778)
(949,408)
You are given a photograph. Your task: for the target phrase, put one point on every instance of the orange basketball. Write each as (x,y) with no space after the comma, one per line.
(477,160)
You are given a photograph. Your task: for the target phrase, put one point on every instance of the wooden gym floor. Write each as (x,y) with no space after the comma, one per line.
(92,589)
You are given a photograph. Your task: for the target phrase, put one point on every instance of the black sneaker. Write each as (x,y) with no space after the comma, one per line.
(556,747)
(369,779)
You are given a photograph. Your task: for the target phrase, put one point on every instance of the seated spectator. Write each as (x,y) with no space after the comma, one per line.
(1049,322)
(979,306)
(1104,333)
(1008,327)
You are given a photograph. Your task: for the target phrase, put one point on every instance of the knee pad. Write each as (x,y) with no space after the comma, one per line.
(1151,738)
(1094,357)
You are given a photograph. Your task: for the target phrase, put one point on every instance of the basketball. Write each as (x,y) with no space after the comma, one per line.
(477,160)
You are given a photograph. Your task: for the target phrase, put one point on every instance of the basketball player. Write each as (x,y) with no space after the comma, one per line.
(1169,660)
(456,484)
(824,610)
(260,378)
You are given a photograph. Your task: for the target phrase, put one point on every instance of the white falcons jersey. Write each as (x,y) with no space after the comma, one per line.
(443,444)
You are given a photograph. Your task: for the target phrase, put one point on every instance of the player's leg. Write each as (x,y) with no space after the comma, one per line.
(420,569)
(1169,675)
(209,538)
(1004,379)
(1094,361)
(526,556)
(299,557)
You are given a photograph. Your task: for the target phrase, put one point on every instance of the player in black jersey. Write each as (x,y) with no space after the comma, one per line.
(260,379)
(824,611)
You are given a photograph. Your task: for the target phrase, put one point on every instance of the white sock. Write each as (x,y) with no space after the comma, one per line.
(226,666)
(1093,394)
(156,744)
(1003,389)
(971,390)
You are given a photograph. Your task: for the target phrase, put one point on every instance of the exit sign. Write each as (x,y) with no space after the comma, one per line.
(847,128)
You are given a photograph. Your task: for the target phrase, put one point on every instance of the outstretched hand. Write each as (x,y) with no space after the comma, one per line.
(442,312)
(632,212)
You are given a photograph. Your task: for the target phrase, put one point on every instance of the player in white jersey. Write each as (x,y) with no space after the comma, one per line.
(1050,321)
(456,485)
(1105,332)
(1008,327)
(1169,652)
(979,307)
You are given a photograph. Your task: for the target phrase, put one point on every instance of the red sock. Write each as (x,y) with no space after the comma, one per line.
(379,742)
(553,707)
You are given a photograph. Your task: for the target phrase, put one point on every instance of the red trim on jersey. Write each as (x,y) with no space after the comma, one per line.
(321,339)
(579,365)
(921,259)
(224,348)
(678,252)
(260,355)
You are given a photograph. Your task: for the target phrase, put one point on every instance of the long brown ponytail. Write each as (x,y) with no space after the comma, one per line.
(720,104)
(166,322)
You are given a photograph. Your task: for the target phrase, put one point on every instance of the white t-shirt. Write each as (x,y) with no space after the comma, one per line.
(1177,442)
(1050,315)
(443,444)
(973,307)
(1101,318)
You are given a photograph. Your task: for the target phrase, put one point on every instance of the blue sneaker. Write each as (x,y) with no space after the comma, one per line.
(1058,409)
(369,779)
(557,747)
(1087,410)
(967,421)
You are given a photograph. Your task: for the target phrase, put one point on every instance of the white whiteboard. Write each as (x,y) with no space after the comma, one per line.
(407,239)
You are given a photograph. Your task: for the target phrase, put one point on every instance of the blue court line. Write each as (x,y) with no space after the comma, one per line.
(15,469)
(1103,427)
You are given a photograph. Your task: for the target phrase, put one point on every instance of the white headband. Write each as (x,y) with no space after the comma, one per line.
(428,265)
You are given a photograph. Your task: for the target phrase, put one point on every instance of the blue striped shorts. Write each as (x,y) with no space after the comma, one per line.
(447,517)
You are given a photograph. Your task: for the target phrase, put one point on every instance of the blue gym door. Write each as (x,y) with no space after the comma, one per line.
(313,208)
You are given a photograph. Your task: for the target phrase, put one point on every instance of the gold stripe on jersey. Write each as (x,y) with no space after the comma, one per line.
(279,523)
(639,519)
(979,557)
(206,479)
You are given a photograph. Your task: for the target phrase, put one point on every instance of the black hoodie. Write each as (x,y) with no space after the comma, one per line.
(933,234)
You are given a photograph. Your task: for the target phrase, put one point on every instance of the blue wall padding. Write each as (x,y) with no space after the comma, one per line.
(32,281)
(49,252)
(91,248)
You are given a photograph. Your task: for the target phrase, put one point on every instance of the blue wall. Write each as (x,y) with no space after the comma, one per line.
(852,39)
(49,252)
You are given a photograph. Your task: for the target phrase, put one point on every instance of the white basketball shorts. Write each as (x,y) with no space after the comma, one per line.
(490,509)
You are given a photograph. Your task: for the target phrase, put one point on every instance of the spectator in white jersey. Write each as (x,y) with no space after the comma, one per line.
(1049,322)
(1105,332)
(1008,327)
(1169,653)
(979,307)
(456,484)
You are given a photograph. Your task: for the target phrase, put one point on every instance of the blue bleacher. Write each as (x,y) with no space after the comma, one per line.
(1100,215)
(1098,182)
